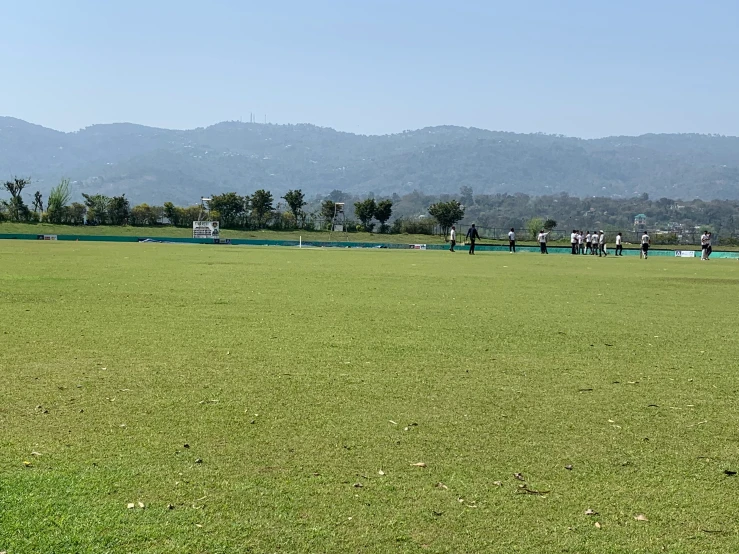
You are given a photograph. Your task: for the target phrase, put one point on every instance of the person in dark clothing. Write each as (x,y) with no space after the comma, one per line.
(472,235)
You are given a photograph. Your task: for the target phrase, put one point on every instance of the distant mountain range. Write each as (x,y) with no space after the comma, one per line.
(156,165)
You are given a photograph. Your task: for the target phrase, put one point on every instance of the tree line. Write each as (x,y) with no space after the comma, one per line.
(234,211)
(413,213)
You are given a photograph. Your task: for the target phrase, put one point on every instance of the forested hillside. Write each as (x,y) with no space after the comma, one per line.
(156,165)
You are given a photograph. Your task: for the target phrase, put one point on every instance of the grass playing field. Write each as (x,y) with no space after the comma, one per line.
(281,400)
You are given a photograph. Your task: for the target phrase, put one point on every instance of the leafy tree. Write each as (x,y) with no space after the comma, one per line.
(296,202)
(549,224)
(534,225)
(75,213)
(365,211)
(38,202)
(97,208)
(59,197)
(143,214)
(17,209)
(171,213)
(119,210)
(230,206)
(261,206)
(383,212)
(328,208)
(446,214)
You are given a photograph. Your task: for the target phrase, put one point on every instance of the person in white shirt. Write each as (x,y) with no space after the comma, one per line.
(619,247)
(573,242)
(602,244)
(512,241)
(543,241)
(452,239)
(704,246)
(709,250)
(581,242)
(588,247)
(646,242)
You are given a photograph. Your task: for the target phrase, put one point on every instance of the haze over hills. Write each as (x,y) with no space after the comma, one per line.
(157,165)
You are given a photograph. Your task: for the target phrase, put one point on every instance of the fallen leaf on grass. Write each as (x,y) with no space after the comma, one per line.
(198,525)
(590,512)
(728,472)
(141,505)
(568,467)
(519,476)
(441,485)
(34,453)
(130,505)
(597,525)
(380,472)
(170,506)
(393,422)
(498,483)
(27,463)
(358,485)
(641,517)
(419,464)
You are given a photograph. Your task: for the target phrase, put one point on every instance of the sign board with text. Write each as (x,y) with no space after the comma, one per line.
(205,230)
(684,253)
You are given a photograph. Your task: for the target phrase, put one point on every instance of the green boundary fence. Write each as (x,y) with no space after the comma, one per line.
(327,244)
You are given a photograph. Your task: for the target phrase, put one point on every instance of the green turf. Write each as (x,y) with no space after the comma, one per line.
(296,375)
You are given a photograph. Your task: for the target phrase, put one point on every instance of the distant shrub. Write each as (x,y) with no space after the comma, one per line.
(729,241)
(665,238)
(413,226)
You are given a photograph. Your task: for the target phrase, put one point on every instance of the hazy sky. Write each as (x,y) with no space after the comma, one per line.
(584,68)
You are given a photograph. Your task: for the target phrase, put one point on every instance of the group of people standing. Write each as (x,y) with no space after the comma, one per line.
(472,235)
(582,242)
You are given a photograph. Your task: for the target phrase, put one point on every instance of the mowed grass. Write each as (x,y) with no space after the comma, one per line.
(275,400)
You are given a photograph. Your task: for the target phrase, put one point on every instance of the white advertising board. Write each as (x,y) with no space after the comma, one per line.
(205,230)
(684,253)
(418,246)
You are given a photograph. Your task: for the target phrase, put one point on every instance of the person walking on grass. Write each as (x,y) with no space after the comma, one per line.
(646,242)
(588,249)
(543,241)
(473,235)
(704,246)
(512,241)
(619,246)
(602,244)
(452,239)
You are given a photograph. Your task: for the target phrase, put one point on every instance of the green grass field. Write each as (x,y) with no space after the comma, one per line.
(276,400)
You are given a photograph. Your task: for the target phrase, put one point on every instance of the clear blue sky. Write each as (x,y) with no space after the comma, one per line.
(582,68)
